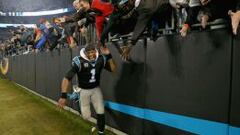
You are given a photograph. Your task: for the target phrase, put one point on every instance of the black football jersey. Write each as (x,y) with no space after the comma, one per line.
(88,72)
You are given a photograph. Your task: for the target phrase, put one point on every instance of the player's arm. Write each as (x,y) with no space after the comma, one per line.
(68,77)
(110,63)
(66,83)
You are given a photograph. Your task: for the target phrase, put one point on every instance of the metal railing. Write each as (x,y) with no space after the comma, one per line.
(91,35)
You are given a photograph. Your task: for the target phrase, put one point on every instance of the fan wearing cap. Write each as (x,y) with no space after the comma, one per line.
(100,9)
(146,10)
(88,67)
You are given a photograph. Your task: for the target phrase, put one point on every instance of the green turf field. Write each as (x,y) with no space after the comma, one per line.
(23,113)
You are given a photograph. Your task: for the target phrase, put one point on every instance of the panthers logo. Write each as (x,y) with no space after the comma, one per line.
(4,64)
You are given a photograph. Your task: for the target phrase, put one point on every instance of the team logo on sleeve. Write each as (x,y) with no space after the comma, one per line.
(86,65)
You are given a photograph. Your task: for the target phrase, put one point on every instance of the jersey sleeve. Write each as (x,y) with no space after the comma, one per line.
(75,68)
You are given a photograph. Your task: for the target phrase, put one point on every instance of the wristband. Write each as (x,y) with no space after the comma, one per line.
(64,95)
(109,56)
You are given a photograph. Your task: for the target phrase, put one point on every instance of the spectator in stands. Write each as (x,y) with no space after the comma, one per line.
(50,34)
(199,10)
(60,30)
(101,9)
(55,33)
(27,38)
(122,16)
(146,10)
(106,9)
(71,26)
(125,14)
(15,42)
(88,67)
(2,48)
(235,18)
(42,38)
(37,38)
(71,23)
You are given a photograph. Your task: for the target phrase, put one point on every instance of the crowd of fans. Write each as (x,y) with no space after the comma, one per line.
(116,18)
(46,36)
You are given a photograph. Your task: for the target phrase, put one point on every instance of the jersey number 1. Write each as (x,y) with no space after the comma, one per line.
(93,79)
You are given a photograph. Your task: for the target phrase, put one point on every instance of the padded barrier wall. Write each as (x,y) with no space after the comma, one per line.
(189,77)
(235,99)
(172,86)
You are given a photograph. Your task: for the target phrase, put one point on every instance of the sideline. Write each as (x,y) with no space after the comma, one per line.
(93,120)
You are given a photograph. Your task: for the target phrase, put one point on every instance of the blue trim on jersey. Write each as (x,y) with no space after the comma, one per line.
(185,123)
(76,60)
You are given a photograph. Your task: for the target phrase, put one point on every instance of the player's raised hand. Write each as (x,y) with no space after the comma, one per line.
(105,50)
(62,102)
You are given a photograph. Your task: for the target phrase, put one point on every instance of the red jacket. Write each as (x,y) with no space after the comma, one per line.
(106,8)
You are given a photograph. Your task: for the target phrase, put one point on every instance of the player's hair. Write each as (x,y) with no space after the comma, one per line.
(90,47)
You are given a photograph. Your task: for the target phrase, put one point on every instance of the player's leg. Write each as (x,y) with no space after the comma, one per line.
(98,104)
(85,103)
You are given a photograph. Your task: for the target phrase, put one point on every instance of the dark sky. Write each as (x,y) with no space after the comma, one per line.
(33,5)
